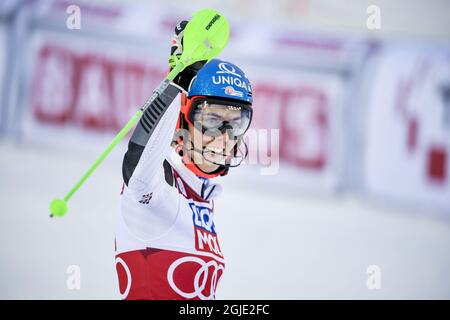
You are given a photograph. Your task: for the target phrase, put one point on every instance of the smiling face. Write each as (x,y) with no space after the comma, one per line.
(212,133)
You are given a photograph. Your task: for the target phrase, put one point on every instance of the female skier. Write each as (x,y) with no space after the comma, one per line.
(166,244)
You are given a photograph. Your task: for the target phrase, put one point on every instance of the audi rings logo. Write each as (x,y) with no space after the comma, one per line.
(207,272)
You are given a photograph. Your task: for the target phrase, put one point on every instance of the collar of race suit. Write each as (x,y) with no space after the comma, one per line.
(205,188)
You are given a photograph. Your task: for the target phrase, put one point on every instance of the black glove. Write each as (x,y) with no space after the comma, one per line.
(184,78)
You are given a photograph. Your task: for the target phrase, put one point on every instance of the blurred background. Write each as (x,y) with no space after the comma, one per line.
(355,199)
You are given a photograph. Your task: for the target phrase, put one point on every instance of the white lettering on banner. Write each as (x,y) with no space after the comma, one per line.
(129,83)
(52,90)
(305,129)
(307,109)
(303,116)
(88,89)
(93,105)
(98,92)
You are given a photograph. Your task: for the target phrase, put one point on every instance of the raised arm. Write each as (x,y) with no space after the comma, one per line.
(150,142)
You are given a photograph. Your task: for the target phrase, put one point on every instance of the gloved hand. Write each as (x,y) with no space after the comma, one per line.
(184,78)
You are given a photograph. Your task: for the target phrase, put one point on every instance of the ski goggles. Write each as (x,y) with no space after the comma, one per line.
(215,117)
